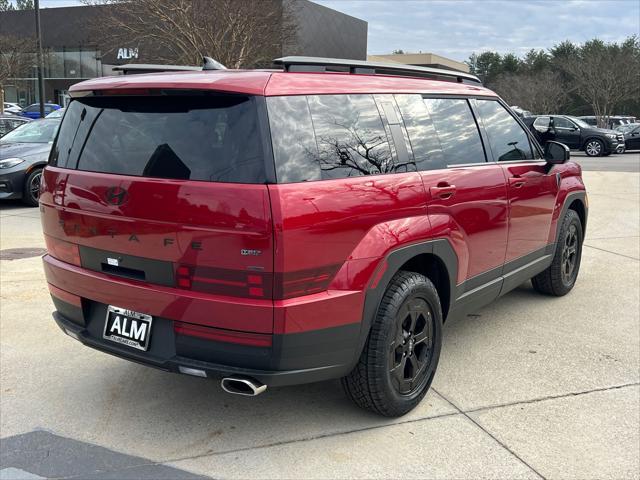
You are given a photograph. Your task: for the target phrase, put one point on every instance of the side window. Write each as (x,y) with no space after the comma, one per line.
(294,144)
(422,134)
(560,122)
(457,130)
(32,108)
(350,136)
(542,124)
(507,138)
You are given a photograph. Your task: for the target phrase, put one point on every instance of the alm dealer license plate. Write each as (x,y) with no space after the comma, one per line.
(127,327)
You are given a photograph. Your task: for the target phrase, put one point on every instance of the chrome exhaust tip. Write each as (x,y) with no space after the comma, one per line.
(242,386)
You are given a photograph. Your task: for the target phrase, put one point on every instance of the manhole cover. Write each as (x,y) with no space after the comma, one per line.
(18,253)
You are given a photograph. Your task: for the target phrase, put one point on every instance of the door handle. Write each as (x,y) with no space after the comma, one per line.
(443,191)
(517,181)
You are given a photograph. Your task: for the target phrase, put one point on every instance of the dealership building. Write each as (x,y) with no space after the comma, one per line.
(74,54)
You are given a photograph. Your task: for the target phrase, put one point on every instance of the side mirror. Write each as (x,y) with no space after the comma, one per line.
(556,153)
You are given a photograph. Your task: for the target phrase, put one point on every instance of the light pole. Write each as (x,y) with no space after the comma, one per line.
(36,7)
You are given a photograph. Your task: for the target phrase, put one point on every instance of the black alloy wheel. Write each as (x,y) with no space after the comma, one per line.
(569,254)
(411,349)
(560,277)
(399,360)
(31,192)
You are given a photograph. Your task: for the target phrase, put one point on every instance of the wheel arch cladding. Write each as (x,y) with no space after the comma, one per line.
(432,267)
(435,259)
(578,206)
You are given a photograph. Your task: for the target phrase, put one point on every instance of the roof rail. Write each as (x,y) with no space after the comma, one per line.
(319,64)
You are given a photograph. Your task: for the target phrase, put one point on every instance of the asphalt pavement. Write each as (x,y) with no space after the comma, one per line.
(528,387)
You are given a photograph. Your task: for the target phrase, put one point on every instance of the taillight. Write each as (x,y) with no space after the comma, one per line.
(64,251)
(304,282)
(253,284)
(220,281)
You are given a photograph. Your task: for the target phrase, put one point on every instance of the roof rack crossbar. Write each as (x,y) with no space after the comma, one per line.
(319,64)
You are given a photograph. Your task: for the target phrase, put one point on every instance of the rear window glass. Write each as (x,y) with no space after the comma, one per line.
(208,138)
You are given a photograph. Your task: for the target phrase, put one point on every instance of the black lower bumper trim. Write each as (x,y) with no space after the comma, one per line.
(171,361)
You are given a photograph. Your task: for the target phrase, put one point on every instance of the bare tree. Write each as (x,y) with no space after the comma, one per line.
(17,59)
(605,75)
(541,93)
(237,33)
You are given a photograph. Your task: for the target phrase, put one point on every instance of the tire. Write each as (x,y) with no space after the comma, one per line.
(405,337)
(593,147)
(31,191)
(560,277)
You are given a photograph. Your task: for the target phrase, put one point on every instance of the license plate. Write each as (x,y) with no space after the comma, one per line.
(127,327)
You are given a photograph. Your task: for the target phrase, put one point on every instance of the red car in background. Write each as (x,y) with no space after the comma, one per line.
(283,227)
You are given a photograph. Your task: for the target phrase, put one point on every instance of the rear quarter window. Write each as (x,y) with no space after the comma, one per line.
(206,138)
(322,137)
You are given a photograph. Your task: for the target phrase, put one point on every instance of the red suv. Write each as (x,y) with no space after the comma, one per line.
(283,227)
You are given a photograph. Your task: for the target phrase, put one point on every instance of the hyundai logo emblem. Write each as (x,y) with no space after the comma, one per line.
(116,195)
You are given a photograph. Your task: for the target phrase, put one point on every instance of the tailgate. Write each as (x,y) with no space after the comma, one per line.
(113,195)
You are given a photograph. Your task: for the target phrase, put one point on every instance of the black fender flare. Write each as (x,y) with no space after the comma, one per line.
(569,199)
(440,248)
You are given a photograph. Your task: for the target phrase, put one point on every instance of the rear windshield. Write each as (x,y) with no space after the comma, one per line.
(208,138)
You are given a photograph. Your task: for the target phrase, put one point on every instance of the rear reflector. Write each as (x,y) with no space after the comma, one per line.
(67,297)
(64,251)
(72,334)
(192,371)
(219,335)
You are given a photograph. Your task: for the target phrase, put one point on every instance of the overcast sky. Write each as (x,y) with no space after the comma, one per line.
(456,29)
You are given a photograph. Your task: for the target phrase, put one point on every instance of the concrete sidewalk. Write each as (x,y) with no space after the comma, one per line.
(529,387)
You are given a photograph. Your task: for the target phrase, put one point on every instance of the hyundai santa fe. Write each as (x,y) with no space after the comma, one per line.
(271,228)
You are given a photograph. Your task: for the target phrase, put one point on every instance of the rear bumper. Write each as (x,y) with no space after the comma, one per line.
(280,356)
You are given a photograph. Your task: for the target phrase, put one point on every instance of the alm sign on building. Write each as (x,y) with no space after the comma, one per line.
(127,53)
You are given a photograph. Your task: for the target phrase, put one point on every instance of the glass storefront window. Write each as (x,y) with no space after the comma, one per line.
(55,64)
(88,63)
(72,64)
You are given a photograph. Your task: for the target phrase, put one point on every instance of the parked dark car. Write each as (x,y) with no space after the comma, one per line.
(631,133)
(23,154)
(284,227)
(576,134)
(10,122)
(33,110)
